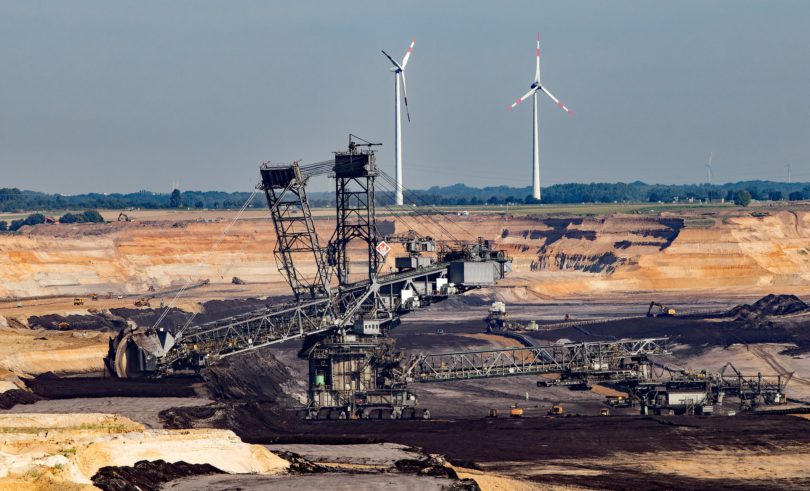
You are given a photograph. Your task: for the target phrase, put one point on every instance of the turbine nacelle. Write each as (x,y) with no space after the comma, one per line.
(534,88)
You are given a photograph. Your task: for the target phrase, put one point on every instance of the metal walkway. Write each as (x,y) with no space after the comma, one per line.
(591,357)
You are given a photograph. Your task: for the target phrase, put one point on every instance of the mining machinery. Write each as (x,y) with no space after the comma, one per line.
(659,310)
(688,392)
(343,317)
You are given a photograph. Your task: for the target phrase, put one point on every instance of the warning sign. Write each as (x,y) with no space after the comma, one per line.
(383,248)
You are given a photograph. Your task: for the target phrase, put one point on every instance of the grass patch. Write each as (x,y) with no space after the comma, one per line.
(699,222)
(67,451)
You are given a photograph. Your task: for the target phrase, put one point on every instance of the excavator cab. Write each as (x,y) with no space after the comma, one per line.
(658,310)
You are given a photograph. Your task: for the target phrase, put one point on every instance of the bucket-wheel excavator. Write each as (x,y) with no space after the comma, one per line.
(343,318)
(349,314)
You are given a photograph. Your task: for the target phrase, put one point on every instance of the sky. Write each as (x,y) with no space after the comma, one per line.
(119,96)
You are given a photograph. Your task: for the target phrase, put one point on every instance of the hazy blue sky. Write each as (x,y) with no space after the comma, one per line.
(120,96)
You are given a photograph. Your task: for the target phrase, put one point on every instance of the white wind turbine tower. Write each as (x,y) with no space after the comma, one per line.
(399,73)
(535,88)
(709,168)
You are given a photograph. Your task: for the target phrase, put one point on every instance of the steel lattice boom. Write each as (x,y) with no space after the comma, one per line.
(591,357)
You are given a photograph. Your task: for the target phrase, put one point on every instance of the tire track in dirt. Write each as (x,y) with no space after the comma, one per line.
(771,360)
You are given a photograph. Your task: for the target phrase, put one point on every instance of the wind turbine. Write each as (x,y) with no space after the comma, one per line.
(399,73)
(535,88)
(709,167)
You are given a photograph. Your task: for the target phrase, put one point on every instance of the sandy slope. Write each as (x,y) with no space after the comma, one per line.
(728,251)
(36,449)
(34,351)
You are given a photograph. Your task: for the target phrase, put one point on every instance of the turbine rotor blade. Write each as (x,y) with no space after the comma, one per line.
(408,54)
(557,101)
(525,96)
(392,60)
(537,69)
(405,95)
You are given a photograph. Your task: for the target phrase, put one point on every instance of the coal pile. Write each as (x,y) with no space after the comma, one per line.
(251,392)
(301,465)
(425,467)
(174,318)
(11,398)
(255,376)
(148,475)
(770,305)
(211,311)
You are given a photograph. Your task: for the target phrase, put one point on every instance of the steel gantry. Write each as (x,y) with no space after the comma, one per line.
(572,358)
(284,185)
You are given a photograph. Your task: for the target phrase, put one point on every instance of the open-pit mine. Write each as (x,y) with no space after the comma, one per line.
(412,348)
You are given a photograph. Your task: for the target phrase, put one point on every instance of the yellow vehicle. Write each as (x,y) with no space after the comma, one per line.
(556,410)
(516,412)
(658,310)
(78,301)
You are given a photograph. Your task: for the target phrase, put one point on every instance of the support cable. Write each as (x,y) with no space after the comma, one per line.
(417,211)
(425,220)
(415,197)
(204,260)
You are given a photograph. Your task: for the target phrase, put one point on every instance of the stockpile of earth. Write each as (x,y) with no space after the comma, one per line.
(769,305)
(251,391)
(256,375)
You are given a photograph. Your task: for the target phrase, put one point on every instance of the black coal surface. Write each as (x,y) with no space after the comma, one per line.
(50,386)
(690,331)
(91,322)
(117,318)
(256,375)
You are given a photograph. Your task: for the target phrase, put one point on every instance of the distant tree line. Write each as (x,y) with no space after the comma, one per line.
(634,192)
(89,216)
(12,199)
